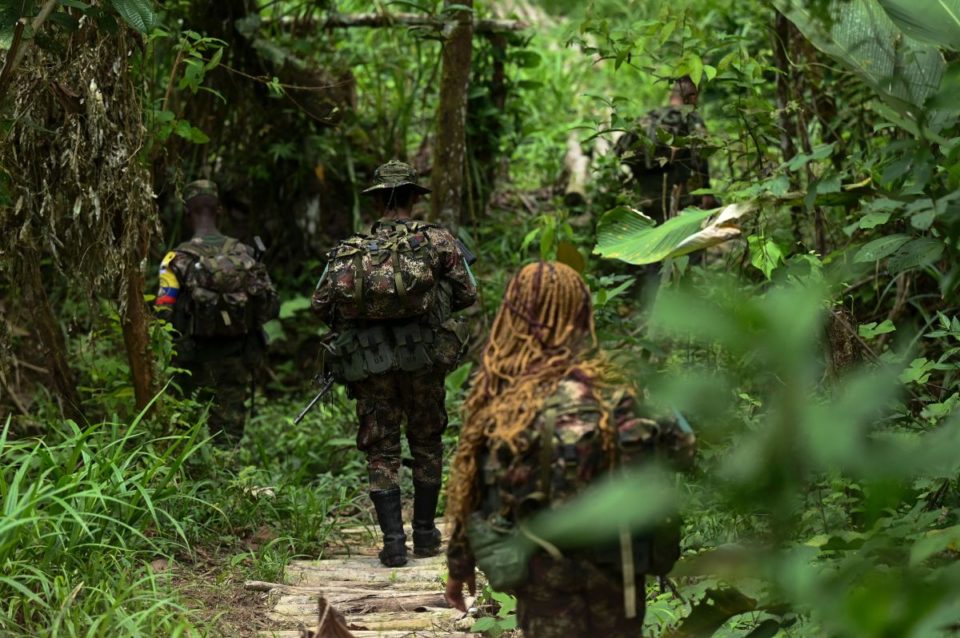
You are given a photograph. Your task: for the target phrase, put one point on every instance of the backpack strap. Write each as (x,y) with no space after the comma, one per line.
(358,280)
(398,276)
(188,249)
(547,451)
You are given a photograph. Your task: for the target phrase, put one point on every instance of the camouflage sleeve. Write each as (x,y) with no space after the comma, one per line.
(270,299)
(642,438)
(454,269)
(322,302)
(460,561)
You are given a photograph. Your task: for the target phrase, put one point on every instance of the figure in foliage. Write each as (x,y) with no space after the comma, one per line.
(389,298)
(218,295)
(664,158)
(545,417)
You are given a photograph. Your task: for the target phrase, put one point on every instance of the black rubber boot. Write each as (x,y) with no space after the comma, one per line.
(390,517)
(426,536)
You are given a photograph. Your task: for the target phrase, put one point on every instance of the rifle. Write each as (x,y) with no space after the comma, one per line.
(325,384)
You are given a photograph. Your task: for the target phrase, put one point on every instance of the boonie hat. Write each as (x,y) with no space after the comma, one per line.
(199,188)
(395,174)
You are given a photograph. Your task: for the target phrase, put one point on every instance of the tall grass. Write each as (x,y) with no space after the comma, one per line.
(83,517)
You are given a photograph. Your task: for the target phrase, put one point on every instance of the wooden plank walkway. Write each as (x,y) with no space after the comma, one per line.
(386,602)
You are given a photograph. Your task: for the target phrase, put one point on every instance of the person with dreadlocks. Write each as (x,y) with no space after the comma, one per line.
(545,417)
(390,296)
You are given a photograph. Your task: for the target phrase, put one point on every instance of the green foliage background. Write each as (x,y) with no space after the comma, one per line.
(816,355)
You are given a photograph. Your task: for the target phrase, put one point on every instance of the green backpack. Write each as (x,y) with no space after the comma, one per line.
(229,293)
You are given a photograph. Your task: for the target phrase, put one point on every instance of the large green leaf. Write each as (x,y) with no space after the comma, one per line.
(139,14)
(630,236)
(880,248)
(935,22)
(630,501)
(862,37)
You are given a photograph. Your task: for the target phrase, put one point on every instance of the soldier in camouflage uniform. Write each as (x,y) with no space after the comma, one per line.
(664,173)
(542,421)
(219,354)
(386,395)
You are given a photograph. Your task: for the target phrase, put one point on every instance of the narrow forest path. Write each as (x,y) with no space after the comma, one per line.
(374,600)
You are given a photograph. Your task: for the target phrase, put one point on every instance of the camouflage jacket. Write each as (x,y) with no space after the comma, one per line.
(664,173)
(447,263)
(509,483)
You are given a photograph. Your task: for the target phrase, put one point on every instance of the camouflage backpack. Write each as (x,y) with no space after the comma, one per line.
(229,291)
(503,547)
(385,275)
(662,143)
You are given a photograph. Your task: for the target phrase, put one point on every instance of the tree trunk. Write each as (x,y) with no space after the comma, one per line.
(487,128)
(578,170)
(136,336)
(781,46)
(51,338)
(450,146)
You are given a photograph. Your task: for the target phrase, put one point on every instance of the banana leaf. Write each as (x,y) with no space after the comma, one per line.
(861,36)
(935,22)
(631,236)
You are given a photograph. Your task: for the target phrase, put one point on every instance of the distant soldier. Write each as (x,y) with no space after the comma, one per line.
(545,417)
(390,296)
(663,155)
(218,295)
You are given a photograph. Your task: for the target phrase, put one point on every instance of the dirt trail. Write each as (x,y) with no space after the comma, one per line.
(375,600)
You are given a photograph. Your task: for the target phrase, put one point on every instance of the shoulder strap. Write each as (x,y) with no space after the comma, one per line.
(232,245)
(547,451)
(205,250)
(417,225)
(188,249)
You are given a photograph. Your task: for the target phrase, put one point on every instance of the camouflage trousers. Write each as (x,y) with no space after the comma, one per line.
(225,381)
(383,402)
(574,597)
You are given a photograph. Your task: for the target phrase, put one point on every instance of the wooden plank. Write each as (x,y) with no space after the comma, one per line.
(374,600)
(287,633)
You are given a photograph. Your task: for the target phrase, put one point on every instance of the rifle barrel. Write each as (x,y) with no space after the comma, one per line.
(323,390)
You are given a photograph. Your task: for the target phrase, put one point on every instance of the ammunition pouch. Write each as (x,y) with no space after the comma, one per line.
(364,351)
(413,343)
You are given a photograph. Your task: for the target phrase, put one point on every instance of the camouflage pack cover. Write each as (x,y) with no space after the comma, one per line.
(562,455)
(229,291)
(662,141)
(388,274)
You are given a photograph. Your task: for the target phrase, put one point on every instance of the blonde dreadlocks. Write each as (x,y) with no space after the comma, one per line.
(536,336)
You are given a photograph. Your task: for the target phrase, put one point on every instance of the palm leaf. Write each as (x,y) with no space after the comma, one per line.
(139,14)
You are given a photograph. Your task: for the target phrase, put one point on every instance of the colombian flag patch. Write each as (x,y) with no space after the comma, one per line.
(169,286)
